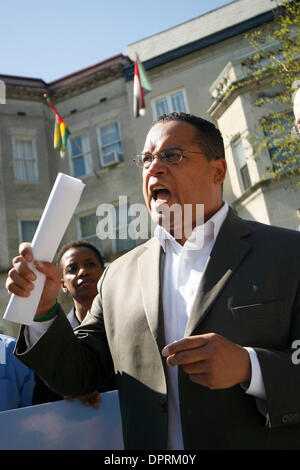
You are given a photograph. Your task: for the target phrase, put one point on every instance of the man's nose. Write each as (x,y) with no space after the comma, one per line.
(157,165)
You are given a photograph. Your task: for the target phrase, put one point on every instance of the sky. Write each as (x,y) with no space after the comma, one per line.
(50,39)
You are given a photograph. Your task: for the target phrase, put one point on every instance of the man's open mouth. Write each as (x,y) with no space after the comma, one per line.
(161,194)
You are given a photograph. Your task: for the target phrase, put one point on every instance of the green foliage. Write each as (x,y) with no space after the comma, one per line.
(273,70)
(277,50)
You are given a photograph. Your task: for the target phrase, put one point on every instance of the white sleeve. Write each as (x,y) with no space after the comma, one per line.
(256,386)
(34,331)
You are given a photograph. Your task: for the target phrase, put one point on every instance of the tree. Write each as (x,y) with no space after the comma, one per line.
(273,74)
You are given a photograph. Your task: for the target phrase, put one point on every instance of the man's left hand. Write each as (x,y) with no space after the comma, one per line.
(91,399)
(210,360)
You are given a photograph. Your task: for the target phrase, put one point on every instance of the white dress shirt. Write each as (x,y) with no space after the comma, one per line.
(182,273)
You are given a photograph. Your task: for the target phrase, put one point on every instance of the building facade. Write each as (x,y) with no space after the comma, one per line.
(188,67)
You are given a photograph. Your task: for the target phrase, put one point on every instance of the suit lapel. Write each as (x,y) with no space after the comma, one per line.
(150,269)
(230,248)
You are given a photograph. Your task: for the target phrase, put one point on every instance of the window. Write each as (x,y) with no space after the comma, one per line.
(110,144)
(166,104)
(119,242)
(282,148)
(87,227)
(25,159)
(81,157)
(27,230)
(122,242)
(241,163)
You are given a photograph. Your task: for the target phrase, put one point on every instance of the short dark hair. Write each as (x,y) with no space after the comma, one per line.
(78,244)
(207,135)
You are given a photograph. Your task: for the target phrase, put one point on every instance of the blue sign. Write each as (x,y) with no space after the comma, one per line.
(63,425)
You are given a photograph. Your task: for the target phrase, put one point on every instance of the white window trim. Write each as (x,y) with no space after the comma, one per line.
(168,96)
(236,163)
(86,156)
(100,146)
(30,137)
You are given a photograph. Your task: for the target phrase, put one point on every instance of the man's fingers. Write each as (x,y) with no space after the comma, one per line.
(21,266)
(71,399)
(189,356)
(17,284)
(13,289)
(26,251)
(183,344)
(92,399)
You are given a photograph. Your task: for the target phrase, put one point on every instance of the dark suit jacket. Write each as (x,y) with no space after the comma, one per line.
(44,394)
(41,392)
(249,293)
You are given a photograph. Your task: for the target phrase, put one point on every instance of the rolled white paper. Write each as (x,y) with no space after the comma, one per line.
(57,214)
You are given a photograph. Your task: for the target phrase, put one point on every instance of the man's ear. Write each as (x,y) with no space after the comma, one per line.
(220,167)
(63,286)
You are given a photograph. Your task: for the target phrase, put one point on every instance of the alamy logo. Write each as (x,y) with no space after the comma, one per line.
(2,92)
(132,222)
(296,354)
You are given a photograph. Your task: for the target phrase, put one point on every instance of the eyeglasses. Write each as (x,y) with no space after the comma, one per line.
(170,157)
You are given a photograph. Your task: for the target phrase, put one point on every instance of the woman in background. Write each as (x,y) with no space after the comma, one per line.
(81,266)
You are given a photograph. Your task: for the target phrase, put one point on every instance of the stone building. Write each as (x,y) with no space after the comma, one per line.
(188,67)
(94,104)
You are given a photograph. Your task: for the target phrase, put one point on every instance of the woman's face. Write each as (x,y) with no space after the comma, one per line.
(81,271)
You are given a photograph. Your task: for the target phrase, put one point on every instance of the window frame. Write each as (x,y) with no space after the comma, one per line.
(238,167)
(20,228)
(169,101)
(100,146)
(18,137)
(79,229)
(88,165)
(114,242)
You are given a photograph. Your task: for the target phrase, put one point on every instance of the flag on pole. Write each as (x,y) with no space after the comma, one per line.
(61,132)
(141,87)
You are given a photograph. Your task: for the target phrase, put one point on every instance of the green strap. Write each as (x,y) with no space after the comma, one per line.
(49,314)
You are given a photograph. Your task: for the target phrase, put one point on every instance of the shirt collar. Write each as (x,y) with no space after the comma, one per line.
(211,229)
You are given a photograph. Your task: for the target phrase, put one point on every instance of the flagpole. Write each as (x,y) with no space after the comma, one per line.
(74,140)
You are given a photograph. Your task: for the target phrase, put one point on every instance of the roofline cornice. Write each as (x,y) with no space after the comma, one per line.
(199,44)
(70,85)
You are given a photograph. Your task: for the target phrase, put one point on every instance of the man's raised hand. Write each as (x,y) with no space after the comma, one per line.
(20,280)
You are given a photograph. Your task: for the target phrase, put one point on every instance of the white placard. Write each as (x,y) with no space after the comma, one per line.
(57,214)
